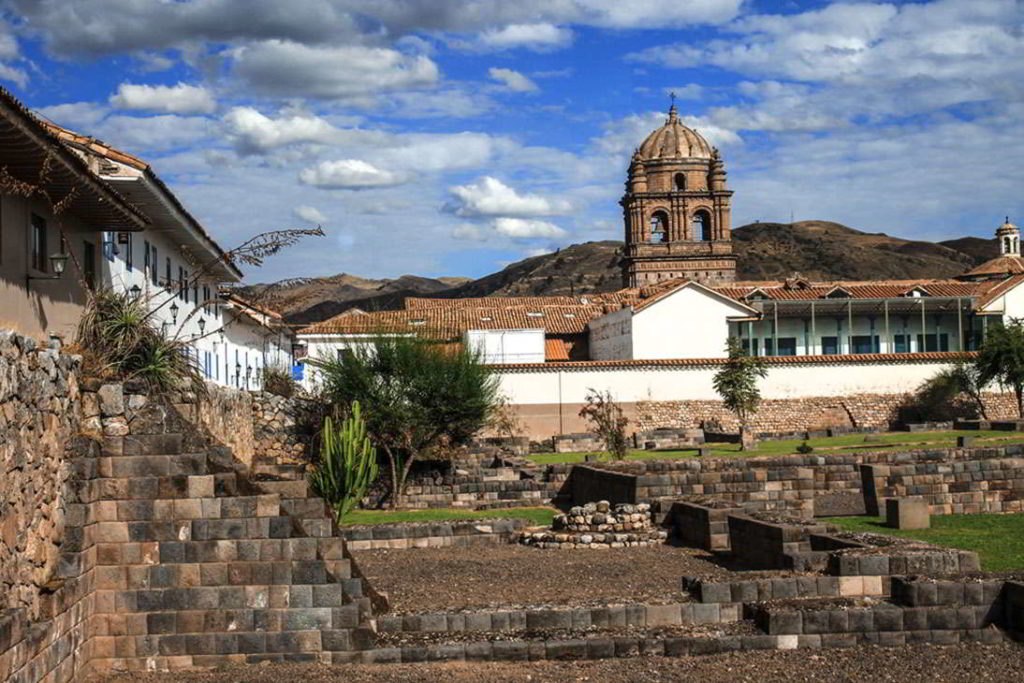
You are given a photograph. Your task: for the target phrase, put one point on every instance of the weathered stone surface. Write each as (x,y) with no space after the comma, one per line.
(111,400)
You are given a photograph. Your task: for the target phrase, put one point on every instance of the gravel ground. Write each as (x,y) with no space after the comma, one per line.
(911,664)
(510,576)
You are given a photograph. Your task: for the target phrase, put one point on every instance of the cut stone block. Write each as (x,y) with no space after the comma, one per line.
(907,513)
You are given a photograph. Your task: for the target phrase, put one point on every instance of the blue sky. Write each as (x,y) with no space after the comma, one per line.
(450,137)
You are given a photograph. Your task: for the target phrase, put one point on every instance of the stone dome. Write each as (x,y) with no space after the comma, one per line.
(675,141)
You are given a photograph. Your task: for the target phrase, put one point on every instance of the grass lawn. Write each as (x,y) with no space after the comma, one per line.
(849,443)
(536,516)
(998,539)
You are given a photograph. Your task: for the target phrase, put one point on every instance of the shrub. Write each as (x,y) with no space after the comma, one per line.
(347,465)
(419,397)
(118,340)
(805,448)
(278,380)
(607,422)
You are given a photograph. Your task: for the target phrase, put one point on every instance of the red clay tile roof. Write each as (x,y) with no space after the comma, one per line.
(556,349)
(561,315)
(1001,265)
(999,288)
(450,323)
(882,289)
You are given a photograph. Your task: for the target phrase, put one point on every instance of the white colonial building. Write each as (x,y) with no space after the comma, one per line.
(169,258)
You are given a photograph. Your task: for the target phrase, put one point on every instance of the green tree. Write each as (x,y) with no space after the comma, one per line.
(419,396)
(1001,359)
(347,465)
(736,382)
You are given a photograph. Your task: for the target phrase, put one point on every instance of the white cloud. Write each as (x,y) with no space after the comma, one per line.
(491,197)
(78,116)
(310,214)
(862,60)
(539,251)
(175,99)
(425,152)
(690,91)
(534,36)
(287,68)
(468,231)
(349,174)
(526,228)
(253,132)
(512,80)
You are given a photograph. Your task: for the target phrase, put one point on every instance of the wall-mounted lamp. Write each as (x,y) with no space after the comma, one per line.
(174,313)
(202,325)
(57,263)
(136,291)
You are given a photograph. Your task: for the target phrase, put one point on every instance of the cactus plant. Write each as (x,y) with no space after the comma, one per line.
(348,463)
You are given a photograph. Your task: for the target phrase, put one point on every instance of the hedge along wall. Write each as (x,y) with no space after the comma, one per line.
(794,482)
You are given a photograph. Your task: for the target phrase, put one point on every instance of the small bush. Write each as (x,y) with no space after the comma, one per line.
(805,448)
(118,340)
(278,380)
(607,422)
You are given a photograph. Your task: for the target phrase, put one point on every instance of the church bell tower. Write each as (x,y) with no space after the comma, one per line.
(676,210)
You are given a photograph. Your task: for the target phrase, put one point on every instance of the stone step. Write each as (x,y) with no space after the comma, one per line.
(589,643)
(303,507)
(154,488)
(244,550)
(295,548)
(238,597)
(178,651)
(532,620)
(287,489)
(180,509)
(215,574)
(240,528)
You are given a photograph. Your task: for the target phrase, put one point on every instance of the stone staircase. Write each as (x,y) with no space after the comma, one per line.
(193,565)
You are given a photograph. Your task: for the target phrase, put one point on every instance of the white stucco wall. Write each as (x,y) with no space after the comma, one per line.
(1011,304)
(689,323)
(641,383)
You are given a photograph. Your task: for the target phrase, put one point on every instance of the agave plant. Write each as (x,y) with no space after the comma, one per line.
(347,465)
(118,339)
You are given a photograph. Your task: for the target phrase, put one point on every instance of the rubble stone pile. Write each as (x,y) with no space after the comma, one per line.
(599,525)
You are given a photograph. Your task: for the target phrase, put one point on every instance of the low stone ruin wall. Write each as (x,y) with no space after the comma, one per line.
(856,411)
(703,526)
(667,438)
(989,476)
(763,544)
(599,524)
(432,534)
(993,485)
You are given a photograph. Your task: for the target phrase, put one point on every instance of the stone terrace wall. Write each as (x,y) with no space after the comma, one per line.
(40,405)
(859,411)
(776,483)
(227,415)
(966,487)
(284,431)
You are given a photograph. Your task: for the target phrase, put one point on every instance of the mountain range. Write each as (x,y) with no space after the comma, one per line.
(818,250)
